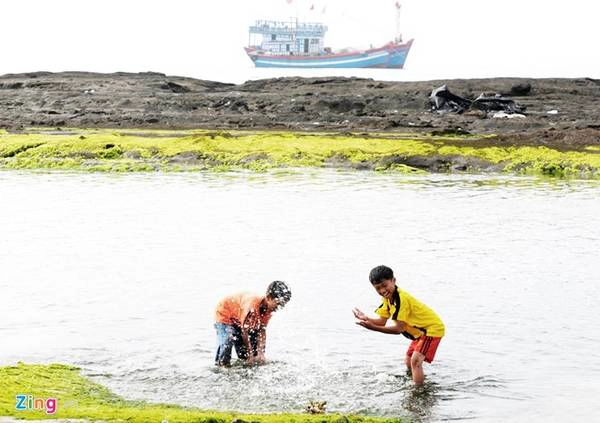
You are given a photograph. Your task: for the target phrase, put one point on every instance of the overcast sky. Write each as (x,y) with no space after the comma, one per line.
(204,38)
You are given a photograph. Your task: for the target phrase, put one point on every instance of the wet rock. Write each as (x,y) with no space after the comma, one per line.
(132,155)
(430,163)
(436,163)
(363,165)
(337,161)
(186,158)
(255,158)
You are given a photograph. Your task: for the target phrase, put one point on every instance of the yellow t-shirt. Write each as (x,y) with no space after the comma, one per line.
(420,320)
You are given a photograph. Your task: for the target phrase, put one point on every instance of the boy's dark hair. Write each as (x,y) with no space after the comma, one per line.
(380,273)
(280,292)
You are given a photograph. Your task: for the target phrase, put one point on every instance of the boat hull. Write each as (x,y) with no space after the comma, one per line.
(389,56)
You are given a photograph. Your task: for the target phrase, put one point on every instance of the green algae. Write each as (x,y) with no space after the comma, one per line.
(136,150)
(79,398)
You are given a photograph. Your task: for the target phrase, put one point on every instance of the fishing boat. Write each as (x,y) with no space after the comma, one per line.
(300,45)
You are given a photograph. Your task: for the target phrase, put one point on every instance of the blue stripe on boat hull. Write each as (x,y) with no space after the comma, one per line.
(392,58)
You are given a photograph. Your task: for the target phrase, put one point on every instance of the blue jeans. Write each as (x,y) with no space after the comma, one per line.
(229,336)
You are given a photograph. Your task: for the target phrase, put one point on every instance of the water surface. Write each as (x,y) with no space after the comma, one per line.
(119,274)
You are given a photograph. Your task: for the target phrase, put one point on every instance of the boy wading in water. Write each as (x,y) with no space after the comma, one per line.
(241,322)
(408,316)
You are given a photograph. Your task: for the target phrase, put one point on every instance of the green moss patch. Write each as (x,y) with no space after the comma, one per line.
(198,150)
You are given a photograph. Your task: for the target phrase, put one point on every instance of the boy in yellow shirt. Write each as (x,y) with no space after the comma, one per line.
(408,316)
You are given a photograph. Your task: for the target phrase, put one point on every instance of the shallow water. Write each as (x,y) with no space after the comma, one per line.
(119,274)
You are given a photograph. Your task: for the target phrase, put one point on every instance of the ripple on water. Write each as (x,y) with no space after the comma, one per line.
(284,387)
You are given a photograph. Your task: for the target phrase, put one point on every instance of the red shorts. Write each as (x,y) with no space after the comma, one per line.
(426,345)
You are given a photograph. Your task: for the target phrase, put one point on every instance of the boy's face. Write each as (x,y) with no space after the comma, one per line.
(386,288)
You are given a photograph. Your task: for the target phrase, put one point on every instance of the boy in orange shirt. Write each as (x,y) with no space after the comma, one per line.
(241,322)
(408,316)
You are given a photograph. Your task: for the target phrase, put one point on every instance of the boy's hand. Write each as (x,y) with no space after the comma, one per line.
(360,316)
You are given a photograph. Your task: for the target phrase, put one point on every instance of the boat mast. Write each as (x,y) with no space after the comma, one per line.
(398,33)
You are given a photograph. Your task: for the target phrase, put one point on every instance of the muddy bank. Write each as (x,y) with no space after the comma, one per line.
(561,113)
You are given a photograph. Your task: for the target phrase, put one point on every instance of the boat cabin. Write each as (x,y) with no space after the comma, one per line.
(287,38)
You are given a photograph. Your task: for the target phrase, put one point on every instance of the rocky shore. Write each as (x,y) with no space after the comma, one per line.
(559,112)
(154,122)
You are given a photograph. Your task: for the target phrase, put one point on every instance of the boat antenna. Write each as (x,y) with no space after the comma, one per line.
(398,33)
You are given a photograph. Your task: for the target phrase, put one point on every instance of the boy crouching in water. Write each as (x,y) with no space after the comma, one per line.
(241,322)
(409,317)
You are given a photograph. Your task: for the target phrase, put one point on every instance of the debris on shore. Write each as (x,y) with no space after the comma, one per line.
(442,100)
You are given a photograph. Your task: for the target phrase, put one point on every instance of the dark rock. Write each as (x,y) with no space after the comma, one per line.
(13,86)
(521,89)
(298,108)
(174,87)
(187,158)
(239,105)
(450,131)
(254,158)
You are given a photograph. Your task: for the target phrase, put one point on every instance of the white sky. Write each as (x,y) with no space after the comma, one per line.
(204,38)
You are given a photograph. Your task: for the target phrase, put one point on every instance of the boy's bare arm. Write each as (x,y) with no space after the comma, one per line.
(246,337)
(246,341)
(262,342)
(396,328)
(362,317)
